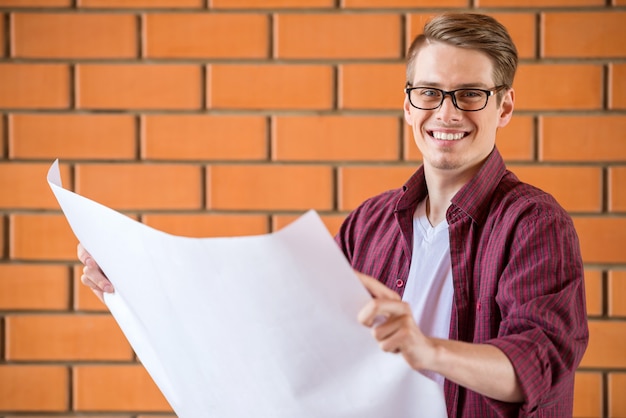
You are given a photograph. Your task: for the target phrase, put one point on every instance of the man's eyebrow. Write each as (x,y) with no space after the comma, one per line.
(424,83)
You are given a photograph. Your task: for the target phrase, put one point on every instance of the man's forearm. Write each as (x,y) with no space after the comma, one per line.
(482,368)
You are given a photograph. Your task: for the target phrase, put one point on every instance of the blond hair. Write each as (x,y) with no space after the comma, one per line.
(472,31)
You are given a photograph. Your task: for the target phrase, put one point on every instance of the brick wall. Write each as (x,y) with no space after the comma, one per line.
(231,117)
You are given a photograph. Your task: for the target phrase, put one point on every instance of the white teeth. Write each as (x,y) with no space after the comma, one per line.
(448,136)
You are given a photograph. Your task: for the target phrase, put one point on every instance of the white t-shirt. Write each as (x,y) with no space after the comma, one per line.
(429,289)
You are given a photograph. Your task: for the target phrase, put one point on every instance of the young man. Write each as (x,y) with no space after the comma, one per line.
(477,278)
(482,278)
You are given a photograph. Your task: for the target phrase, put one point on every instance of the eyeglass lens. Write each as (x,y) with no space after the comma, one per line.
(465,99)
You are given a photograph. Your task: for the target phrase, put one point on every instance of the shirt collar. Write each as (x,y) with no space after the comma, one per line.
(473,198)
(414,191)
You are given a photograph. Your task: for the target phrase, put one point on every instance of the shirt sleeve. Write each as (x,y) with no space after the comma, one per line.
(543,329)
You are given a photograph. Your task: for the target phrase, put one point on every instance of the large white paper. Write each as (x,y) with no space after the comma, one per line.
(260,326)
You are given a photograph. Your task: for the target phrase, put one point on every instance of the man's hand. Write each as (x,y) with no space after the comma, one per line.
(93,275)
(482,368)
(393,325)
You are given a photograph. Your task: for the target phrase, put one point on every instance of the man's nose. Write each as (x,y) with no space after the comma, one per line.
(448,111)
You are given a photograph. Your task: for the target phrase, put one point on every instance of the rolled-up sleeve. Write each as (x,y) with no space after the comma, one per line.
(541,298)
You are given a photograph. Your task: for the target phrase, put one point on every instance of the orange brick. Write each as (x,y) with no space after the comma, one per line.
(336,138)
(74,416)
(34,86)
(3,244)
(41,237)
(617,189)
(365,4)
(138,86)
(602,239)
(617,293)
(141,4)
(65,337)
(585,197)
(204,137)
(572,87)
(359,183)
(3,140)
(372,86)
(154,416)
(90,416)
(332,222)
(521,27)
(3,51)
(24,186)
(588,390)
(269,4)
(116,388)
(187,35)
(516,140)
(410,150)
(338,36)
(537,3)
(270,187)
(617,86)
(75,35)
(576,138)
(34,388)
(415,23)
(602,37)
(617,400)
(594,292)
(145,186)
(35,3)
(84,299)
(274,86)
(34,286)
(70,136)
(208,225)
(607,345)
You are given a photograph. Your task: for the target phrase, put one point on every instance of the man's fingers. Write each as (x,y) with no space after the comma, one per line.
(85,257)
(385,329)
(82,253)
(367,315)
(92,274)
(94,277)
(379,311)
(376,288)
(94,288)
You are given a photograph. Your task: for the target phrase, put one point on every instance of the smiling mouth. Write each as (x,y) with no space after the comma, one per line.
(448,136)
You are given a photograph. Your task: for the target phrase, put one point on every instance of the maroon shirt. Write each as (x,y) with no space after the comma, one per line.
(517,273)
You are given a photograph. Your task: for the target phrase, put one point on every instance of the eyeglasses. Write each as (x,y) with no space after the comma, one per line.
(468,100)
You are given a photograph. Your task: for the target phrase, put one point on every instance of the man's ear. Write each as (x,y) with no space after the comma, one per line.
(506,108)
(408,116)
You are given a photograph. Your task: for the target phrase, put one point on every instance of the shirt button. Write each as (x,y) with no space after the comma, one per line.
(399,283)
(478,306)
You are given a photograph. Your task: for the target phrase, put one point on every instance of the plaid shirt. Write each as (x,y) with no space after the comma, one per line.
(517,274)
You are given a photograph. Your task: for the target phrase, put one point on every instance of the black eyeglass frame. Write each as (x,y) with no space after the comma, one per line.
(452,94)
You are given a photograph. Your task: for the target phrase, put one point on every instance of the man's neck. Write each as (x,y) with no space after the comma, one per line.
(441,189)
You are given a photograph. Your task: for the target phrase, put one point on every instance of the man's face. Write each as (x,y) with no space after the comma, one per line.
(451,140)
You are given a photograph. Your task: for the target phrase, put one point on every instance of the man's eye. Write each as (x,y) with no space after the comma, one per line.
(471,94)
(429,93)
